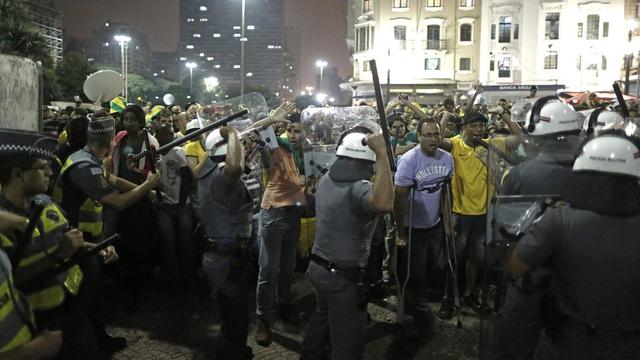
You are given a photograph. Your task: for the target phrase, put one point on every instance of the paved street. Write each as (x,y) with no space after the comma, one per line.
(186,328)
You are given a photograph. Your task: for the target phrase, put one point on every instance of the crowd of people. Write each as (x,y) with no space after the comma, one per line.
(221,211)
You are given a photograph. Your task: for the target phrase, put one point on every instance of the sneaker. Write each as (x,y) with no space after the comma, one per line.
(263,333)
(289,314)
(446,309)
(111,344)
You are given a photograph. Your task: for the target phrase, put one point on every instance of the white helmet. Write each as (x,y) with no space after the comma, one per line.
(610,154)
(549,115)
(210,144)
(602,119)
(193,124)
(352,145)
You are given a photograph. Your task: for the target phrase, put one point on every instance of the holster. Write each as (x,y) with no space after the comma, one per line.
(358,276)
(238,254)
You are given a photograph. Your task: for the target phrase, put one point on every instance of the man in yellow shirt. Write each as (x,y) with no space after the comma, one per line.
(471,188)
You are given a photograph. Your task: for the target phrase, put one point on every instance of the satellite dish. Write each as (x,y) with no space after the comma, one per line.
(168,99)
(103,85)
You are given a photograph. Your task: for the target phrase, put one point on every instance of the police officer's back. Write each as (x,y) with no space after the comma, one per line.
(593,245)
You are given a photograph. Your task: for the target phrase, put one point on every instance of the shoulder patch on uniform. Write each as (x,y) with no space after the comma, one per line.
(96,171)
(53,216)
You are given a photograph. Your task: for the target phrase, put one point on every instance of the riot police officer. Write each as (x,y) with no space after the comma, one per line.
(593,245)
(226,213)
(347,209)
(551,146)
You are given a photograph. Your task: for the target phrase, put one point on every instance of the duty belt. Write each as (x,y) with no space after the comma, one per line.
(355,274)
(239,247)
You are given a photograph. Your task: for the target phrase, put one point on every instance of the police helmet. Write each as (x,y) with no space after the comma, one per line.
(210,144)
(352,144)
(549,115)
(602,119)
(610,153)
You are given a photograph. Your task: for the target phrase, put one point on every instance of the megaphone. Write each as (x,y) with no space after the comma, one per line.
(169,99)
(103,85)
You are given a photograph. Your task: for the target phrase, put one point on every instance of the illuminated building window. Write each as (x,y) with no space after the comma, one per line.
(551,60)
(204,19)
(217,66)
(183,59)
(191,19)
(465,64)
(237,27)
(236,66)
(400,4)
(552,26)
(216,35)
(366,5)
(203,8)
(251,27)
(190,47)
(432,64)
(201,54)
(236,35)
(196,35)
(465,32)
(593,27)
(434,3)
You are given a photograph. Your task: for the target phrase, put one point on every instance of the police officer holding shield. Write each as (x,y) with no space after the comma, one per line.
(594,248)
(347,208)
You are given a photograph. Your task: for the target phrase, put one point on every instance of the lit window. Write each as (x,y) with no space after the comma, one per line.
(216,35)
(107,24)
(204,19)
(366,6)
(191,19)
(162,71)
(237,27)
(189,47)
(90,59)
(196,35)
(249,74)
(271,47)
(209,58)
(236,66)
(183,59)
(432,64)
(399,4)
(465,64)
(201,54)
(106,44)
(465,32)
(251,27)
(236,35)
(551,60)
(203,8)
(217,66)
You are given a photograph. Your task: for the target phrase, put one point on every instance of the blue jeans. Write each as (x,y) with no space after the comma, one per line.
(279,234)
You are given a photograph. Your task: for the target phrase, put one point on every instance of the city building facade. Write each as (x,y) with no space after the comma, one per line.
(47,20)
(211,34)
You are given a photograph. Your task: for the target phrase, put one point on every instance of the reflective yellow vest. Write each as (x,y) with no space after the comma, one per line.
(90,214)
(16,318)
(46,238)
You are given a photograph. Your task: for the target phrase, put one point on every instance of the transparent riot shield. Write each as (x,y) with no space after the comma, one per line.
(323,126)
(254,102)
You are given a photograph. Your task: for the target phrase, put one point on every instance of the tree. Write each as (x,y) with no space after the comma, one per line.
(71,72)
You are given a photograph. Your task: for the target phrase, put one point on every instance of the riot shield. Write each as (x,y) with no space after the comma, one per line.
(323,127)
(253,102)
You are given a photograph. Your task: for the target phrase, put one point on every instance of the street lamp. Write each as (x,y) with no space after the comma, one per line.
(321,64)
(123,40)
(210,85)
(191,66)
(243,39)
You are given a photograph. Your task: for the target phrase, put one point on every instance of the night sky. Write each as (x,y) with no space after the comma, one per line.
(321,24)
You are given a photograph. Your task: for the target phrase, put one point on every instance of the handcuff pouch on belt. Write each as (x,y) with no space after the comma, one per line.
(358,276)
(238,254)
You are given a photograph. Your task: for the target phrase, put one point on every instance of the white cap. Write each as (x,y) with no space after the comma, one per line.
(610,154)
(210,144)
(352,146)
(549,115)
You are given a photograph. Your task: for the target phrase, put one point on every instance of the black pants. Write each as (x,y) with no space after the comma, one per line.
(136,225)
(175,233)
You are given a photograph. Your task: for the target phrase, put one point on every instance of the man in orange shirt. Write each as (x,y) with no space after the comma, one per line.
(279,232)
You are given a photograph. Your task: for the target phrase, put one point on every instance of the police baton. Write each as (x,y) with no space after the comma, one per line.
(25,238)
(504,156)
(620,97)
(383,116)
(74,260)
(151,158)
(177,142)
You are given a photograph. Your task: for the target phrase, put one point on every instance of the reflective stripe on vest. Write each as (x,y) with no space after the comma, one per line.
(15,331)
(90,214)
(46,238)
